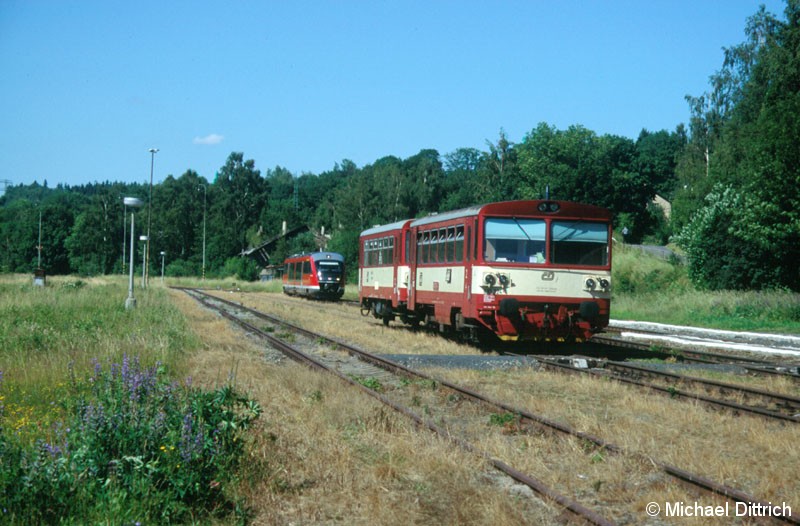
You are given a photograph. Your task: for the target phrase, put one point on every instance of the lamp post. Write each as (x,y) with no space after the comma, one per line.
(204,230)
(39,274)
(124,232)
(39,246)
(153,152)
(145,241)
(163,254)
(134,203)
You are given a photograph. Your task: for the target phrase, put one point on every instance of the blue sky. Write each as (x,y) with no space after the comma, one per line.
(87,87)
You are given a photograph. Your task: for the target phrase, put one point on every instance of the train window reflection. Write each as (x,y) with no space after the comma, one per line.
(579,243)
(520,240)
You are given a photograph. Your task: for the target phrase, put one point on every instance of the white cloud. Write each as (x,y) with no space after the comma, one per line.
(210,139)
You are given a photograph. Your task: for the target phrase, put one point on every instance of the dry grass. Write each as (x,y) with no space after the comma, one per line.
(345,322)
(329,455)
(744,452)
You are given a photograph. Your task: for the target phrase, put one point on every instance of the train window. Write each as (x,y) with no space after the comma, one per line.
(442,240)
(426,247)
(459,244)
(423,243)
(387,249)
(450,249)
(520,240)
(329,270)
(407,255)
(579,243)
(306,267)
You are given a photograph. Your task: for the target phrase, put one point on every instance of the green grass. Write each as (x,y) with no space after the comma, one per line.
(96,425)
(43,329)
(646,288)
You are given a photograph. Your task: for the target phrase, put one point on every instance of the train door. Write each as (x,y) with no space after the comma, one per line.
(395,262)
(411,234)
(468,233)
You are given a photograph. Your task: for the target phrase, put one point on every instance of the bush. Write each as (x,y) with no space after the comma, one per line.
(132,448)
(729,249)
(243,268)
(183,268)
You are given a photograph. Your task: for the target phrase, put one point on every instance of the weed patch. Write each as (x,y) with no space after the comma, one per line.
(128,446)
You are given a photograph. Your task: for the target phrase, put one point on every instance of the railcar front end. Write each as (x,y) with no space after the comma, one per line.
(544,275)
(318,275)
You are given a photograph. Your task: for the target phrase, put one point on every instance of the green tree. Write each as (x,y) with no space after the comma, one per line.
(95,243)
(177,221)
(755,156)
(499,173)
(461,176)
(424,174)
(238,198)
(577,165)
(657,158)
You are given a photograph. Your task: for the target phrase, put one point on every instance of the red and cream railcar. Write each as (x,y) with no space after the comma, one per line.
(318,275)
(522,270)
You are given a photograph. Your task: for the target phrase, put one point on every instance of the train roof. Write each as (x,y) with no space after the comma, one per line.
(455,214)
(510,208)
(386,228)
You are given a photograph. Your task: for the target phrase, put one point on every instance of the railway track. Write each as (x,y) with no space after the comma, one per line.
(787,366)
(773,406)
(335,366)
(612,338)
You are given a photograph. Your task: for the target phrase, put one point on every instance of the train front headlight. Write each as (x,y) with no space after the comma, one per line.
(604,283)
(490,280)
(590,283)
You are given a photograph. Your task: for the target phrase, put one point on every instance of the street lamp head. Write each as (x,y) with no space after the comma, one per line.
(163,253)
(143,238)
(135,202)
(153,150)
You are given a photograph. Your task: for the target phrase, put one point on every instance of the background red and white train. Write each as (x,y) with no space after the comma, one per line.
(522,270)
(319,275)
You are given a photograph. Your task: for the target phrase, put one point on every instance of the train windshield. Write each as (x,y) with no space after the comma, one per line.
(579,243)
(520,240)
(330,270)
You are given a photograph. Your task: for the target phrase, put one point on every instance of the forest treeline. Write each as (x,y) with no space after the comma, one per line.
(731,176)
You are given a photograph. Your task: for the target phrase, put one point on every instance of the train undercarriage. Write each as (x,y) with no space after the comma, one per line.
(509,320)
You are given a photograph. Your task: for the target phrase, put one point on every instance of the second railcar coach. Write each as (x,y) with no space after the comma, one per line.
(318,275)
(521,270)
